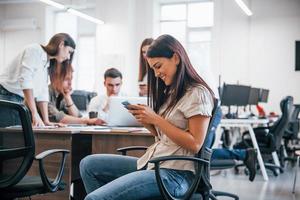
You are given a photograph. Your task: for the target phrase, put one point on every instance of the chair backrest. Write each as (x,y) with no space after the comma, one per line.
(17,147)
(294,124)
(278,129)
(215,121)
(201,181)
(205,152)
(81,99)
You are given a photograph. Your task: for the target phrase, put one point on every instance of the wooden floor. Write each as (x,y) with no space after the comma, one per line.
(277,188)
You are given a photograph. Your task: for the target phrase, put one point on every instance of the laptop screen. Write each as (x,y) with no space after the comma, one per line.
(118,115)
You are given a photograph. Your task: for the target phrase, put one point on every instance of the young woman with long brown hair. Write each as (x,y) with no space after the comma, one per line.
(180,106)
(143,68)
(26,77)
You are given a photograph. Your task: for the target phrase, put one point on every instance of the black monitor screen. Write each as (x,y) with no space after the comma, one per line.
(237,95)
(254,96)
(264,94)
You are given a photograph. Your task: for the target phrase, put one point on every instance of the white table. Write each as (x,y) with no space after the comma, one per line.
(247,123)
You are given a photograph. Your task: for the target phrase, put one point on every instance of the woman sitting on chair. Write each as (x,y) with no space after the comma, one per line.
(181,106)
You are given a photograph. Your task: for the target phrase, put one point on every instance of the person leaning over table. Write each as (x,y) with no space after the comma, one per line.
(25,79)
(181,107)
(61,106)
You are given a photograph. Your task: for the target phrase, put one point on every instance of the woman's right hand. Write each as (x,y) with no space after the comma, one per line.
(95,121)
(37,121)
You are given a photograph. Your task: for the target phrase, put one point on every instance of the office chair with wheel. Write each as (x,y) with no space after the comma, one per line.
(290,137)
(269,139)
(17,153)
(201,187)
(81,98)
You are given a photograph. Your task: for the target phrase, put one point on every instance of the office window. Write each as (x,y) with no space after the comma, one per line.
(191,24)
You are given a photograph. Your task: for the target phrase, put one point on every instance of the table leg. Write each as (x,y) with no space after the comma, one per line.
(218,138)
(276,160)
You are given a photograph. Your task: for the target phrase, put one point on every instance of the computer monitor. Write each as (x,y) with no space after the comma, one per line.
(235,95)
(263,96)
(254,96)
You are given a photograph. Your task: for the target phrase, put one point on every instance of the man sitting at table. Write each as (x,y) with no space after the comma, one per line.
(112,82)
(61,107)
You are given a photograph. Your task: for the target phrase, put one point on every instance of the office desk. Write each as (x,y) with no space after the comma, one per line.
(248,124)
(81,142)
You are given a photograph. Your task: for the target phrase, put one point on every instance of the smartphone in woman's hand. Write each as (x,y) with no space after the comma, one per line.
(126,104)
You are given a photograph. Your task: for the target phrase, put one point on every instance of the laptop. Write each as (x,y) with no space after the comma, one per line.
(118,115)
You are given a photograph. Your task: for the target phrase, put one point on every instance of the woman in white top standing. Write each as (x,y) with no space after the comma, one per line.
(181,105)
(26,77)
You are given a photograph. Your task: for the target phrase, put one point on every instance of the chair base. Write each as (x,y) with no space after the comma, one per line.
(28,186)
(225,194)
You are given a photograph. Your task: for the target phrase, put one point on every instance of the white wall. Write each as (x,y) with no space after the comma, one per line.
(258,50)
(14,41)
(275,26)
(118,40)
(230,43)
(1,38)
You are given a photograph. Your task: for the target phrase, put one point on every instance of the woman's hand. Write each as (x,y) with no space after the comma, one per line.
(95,121)
(144,114)
(48,123)
(36,120)
(67,91)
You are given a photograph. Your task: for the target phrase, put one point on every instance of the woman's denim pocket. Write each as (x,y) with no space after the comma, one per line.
(177,182)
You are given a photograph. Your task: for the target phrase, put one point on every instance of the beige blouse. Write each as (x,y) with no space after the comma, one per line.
(196,101)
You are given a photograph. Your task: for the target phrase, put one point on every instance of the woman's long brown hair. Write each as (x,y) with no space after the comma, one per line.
(185,77)
(143,63)
(52,50)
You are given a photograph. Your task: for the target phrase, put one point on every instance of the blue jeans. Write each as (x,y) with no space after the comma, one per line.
(236,154)
(222,153)
(8,117)
(115,177)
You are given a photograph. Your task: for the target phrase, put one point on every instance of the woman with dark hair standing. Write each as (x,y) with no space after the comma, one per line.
(26,78)
(143,67)
(181,104)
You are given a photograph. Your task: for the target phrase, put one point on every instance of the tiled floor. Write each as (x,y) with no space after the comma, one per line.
(277,188)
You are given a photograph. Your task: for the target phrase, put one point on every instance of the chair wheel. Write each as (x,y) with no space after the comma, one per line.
(281,170)
(275,172)
(236,170)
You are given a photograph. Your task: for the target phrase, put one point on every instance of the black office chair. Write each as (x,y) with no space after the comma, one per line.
(269,139)
(81,98)
(17,150)
(219,164)
(290,137)
(201,187)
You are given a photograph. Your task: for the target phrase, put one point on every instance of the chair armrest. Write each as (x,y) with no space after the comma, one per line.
(124,150)
(46,153)
(54,185)
(165,158)
(194,185)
